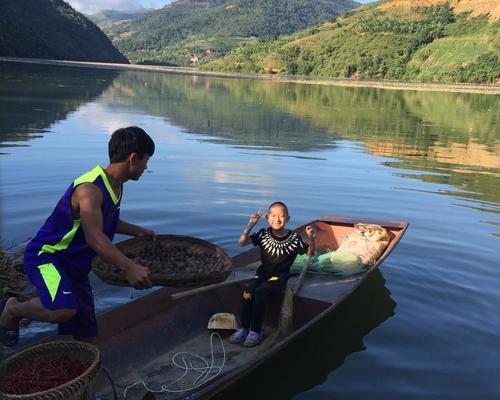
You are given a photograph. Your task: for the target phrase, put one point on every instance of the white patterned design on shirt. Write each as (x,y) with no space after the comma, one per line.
(278,248)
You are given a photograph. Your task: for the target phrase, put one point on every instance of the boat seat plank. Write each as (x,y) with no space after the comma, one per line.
(324,288)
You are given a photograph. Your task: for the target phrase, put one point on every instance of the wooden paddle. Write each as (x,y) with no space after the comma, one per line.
(286,315)
(202,289)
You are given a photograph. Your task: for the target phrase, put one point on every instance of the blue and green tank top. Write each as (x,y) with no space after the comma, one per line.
(62,239)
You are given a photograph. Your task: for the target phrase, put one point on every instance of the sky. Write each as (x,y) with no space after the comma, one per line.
(93,6)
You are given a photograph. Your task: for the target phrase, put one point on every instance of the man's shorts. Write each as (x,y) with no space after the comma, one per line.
(58,291)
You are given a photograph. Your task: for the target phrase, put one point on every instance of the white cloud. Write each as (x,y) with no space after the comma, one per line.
(93,6)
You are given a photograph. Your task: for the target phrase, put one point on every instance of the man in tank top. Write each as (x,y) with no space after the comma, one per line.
(58,259)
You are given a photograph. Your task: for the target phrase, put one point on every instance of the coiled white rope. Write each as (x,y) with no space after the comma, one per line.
(207,372)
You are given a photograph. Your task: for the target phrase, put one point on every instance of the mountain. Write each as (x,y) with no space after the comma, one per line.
(474,7)
(109,17)
(189,30)
(414,40)
(52,29)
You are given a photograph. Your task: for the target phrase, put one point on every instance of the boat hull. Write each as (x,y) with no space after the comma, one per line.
(139,340)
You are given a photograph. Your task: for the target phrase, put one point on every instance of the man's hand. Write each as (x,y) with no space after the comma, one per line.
(138,277)
(146,232)
(134,230)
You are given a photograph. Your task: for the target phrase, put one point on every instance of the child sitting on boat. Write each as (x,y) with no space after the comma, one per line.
(278,249)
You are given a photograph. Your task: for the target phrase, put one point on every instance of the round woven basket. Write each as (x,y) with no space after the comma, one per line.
(79,388)
(207,263)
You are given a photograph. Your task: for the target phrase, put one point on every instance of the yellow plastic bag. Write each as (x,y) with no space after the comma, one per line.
(368,241)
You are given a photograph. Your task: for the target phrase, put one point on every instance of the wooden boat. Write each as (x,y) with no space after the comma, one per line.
(142,340)
(139,340)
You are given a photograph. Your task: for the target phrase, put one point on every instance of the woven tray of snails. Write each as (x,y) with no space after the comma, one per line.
(173,260)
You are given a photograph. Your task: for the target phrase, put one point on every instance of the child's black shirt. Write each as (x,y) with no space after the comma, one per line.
(277,254)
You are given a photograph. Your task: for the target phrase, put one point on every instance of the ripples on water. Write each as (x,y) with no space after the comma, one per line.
(425,327)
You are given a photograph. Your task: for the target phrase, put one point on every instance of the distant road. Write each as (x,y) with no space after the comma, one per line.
(395,85)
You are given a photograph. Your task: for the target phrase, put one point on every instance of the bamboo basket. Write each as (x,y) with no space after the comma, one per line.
(80,388)
(174,261)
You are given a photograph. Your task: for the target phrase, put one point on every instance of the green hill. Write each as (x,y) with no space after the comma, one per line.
(430,43)
(211,28)
(52,29)
(108,17)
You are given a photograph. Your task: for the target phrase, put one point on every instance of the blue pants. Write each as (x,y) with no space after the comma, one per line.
(254,300)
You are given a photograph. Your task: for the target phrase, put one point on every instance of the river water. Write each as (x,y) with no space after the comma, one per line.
(426,326)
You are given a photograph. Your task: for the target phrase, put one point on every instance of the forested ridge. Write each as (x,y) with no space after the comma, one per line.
(108,17)
(208,29)
(423,43)
(52,29)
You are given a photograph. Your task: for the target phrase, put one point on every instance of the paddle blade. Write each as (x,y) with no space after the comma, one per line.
(286,316)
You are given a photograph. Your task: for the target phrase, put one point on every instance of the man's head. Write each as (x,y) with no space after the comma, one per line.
(277,215)
(133,146)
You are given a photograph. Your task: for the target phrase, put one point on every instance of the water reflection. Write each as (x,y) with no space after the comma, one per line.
(33,97)
(324,347)
(453,136)
(220,111)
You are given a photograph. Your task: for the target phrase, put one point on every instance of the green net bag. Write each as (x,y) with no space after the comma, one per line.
(339,263)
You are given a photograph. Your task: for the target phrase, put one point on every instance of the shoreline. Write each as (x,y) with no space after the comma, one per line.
(346,82)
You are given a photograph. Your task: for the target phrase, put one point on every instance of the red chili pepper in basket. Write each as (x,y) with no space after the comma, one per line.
(42,375)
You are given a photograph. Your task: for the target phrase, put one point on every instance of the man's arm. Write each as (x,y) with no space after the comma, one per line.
(88,199)
(127,228)
(245,235)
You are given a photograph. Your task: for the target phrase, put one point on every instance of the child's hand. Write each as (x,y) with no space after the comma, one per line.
(311,232)
(254,218)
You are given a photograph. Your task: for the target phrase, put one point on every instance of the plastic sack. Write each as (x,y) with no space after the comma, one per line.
(368,241)
(358,251)
(332,263)
(343,263)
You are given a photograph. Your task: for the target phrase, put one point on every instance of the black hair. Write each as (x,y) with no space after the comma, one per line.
(279,203)
(125,141)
